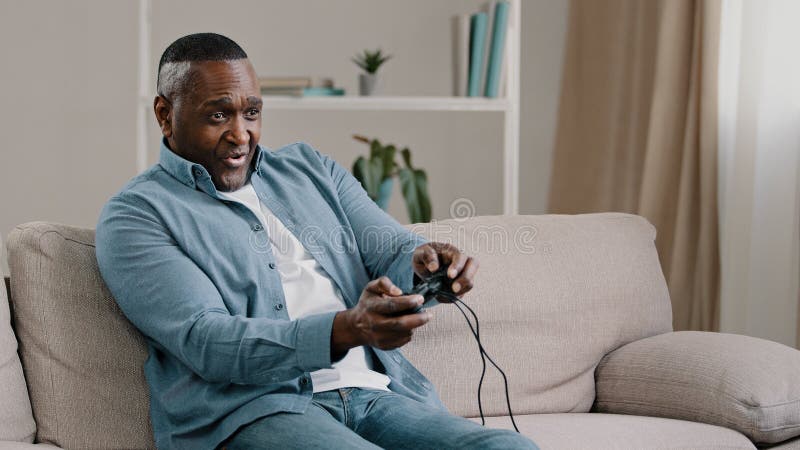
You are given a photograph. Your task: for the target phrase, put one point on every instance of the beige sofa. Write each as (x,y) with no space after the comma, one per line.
(575,309)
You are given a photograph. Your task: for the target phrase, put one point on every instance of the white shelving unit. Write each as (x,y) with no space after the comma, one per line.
(508,106)
(352,103)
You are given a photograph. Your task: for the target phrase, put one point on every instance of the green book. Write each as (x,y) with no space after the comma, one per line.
(499,26)
(477,40)
(321,91)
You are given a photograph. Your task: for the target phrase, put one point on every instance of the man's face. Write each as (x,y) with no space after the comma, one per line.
(217,121)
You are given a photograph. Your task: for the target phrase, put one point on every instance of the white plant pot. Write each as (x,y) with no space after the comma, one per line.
(368,84)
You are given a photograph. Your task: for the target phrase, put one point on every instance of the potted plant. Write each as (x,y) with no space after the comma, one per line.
(370,62)
(377,172)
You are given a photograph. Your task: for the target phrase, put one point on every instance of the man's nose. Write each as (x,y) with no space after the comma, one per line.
(238,134)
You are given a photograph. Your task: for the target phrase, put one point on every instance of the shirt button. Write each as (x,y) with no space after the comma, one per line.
(279,306)
(304,381)
(257,227)
(272,265)
(198,171)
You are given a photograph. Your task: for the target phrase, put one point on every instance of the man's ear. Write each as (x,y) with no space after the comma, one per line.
(163,109)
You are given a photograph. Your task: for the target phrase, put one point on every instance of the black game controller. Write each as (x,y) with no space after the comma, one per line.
(439,285)
(433,286)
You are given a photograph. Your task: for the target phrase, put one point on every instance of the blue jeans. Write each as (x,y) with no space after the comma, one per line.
(354,418)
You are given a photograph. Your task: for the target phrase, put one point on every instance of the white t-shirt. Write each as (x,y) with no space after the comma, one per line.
(309,290)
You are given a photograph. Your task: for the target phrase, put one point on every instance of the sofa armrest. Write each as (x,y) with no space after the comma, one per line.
(750,385)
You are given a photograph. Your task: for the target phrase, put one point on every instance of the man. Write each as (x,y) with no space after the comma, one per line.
(248,272)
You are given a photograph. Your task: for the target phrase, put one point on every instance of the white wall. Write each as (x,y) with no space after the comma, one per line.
(543,41)
(67,90)
(70,94)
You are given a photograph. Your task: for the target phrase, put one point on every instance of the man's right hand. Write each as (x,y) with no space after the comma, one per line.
(374,320)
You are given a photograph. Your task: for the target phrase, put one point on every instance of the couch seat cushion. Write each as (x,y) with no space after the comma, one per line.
(620,432)
(7,445)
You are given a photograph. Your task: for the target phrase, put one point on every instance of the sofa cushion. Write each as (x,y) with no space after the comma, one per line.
(554,294)
(748,384)
(8,445)
(83,360)
(621,432)
(16,419)
(3,259)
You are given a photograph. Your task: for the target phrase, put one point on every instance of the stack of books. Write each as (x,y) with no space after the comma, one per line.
(297,87)
(482,53)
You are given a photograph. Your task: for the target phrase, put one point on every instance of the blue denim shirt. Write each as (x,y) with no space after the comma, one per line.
(195,274)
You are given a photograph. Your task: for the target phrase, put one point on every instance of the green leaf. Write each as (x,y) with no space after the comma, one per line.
(370,61)
(375,174)
(361,173)
(381,166)
(406,157)
(375,149)
(414,184)
(388,161)
(358,169)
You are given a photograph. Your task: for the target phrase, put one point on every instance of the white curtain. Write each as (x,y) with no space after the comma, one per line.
(759,169)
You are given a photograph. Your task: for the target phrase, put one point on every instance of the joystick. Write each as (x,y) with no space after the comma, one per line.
(437,284)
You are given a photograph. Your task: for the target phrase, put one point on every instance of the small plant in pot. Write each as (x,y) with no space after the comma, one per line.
(377,173)
(370,62)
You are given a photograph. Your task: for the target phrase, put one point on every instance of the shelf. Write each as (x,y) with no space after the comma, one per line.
(353,103)
(508,106)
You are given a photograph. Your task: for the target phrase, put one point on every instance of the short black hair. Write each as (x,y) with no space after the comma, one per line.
(196,47)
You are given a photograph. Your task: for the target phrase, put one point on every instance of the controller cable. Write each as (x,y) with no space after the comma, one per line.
(458,303)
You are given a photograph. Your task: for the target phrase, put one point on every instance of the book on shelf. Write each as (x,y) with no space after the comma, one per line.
(508,52)
(482,51)
(497,48)
(477,39)
(461,53)
(284,82)
(322,91)
(297,87)
(487,46)
(313,91)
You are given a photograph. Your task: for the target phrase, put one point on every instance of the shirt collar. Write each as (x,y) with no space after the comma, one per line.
(192,174)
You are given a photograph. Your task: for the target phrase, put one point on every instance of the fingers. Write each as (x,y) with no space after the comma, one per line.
(383,286)
(411,321)
(397,331)
(429,258)
(457,262)
(392,305)
(463,283)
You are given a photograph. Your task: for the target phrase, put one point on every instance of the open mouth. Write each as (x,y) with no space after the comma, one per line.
(235,161)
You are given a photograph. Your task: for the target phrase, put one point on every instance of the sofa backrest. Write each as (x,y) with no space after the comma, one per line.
(83,360)
(554,294)
(16,420)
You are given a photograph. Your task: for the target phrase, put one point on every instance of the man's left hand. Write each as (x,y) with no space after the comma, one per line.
(461,268)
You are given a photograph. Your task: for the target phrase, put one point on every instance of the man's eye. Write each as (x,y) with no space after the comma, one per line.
(218,116)
(253,112)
